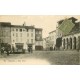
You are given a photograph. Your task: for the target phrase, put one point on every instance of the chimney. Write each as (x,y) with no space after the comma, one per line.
(24,24)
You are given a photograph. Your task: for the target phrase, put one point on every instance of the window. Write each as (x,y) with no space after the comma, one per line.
(12,29)
(27,40)
(13,40)
(20,34)
(39,32)
(16,39)
(13,34)
(31,30)
(31,40)
(16,34)
(21,40)
(27,34)
(23,29)
(16,29)
(27,30)
(20,30)
(31,34)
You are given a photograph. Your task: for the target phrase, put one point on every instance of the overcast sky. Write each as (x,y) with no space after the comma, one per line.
(47,23)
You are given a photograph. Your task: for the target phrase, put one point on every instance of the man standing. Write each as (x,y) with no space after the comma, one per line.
(2,50)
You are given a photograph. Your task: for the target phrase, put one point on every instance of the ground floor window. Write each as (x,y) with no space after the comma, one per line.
(38,47)
(19,45)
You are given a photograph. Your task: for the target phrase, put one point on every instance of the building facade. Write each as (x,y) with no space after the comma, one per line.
(52,40)
(49,42)
(69,32)
(65,29)
(38,39)
(71,41)
(20,36)
(5,33)
(23,36)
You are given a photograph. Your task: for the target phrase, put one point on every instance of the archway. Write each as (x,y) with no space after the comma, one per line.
(79,42)
(67,43)
(70,43)
(74,42)
(64,43)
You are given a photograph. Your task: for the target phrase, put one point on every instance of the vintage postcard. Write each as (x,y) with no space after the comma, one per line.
(39,39)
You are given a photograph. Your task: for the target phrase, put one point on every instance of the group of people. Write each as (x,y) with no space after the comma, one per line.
(30,49)
(5,50)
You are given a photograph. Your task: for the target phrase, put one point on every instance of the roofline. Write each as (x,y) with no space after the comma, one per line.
(38,28)
(21,26)
(52,31)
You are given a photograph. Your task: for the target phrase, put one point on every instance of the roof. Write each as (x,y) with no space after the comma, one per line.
(5,24)
(21,26)
(66,26)
(73,19)
(60,21)
(38,28)
(52,31)
(75,29)
(8,24)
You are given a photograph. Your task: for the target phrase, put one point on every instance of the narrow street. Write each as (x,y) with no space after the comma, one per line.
(43,57)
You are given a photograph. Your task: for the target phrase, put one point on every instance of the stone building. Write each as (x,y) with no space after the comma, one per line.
(70,34)
(5,33)
(71,41)
(21,36)
(52,39)
(38,39)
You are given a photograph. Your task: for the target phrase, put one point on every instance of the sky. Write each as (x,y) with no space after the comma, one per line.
(46,22)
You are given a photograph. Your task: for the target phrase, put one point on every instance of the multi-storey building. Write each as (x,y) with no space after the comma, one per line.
(71,41)
(38,38)
(49,42)
(21,36)
(64,27)
(52,40)
(5,33)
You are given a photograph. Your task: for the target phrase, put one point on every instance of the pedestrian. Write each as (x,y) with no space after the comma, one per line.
(12,49)
(7,51)
(2,50)
(28,49)
(31,50)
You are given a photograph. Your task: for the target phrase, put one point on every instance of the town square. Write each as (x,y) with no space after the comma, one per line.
(53,40)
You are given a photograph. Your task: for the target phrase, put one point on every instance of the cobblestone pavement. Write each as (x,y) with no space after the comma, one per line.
(46,57)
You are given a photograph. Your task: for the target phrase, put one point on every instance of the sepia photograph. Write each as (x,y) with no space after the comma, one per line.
(40,39)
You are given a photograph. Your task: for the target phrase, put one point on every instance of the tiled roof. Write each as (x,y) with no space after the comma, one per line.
(52,31)
(38,28)
(8,24)
(21,26)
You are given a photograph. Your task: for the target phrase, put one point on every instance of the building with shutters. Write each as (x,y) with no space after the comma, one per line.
(5,33)
(38,39)
(21,36)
